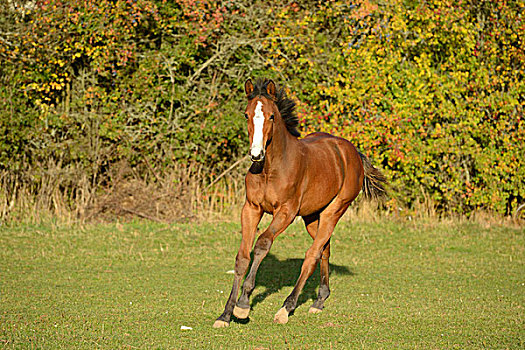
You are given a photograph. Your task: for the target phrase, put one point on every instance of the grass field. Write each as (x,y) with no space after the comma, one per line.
(394,286)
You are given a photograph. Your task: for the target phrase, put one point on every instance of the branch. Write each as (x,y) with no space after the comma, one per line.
(226,172)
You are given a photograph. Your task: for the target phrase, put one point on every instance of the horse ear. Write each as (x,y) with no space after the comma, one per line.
(270,88)
(248,87)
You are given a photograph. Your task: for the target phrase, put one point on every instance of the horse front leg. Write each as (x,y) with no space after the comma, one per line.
(250,218)
(281,220)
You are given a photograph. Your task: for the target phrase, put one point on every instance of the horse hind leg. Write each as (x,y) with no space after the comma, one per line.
(324,287)
(313,255)
(312,225)
(327,221)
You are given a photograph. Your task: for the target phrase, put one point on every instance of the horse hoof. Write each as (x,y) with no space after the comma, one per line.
(314,310)
(281,316)
(241,313)
(220,324)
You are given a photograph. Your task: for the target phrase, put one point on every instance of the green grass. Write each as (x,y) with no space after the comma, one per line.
(394,285)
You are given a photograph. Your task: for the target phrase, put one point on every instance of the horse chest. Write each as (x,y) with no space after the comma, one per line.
(266,193)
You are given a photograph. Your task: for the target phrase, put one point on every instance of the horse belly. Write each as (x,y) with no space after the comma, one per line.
(326,172)
(320,193)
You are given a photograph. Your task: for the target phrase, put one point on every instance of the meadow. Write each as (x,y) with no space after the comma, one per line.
(395,285)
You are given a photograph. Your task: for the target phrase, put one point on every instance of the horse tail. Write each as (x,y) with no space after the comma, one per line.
(374,182)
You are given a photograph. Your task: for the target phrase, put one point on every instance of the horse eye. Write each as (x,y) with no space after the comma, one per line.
(246,115)
(271,117)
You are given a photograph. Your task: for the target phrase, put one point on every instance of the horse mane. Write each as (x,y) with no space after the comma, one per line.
(285,104)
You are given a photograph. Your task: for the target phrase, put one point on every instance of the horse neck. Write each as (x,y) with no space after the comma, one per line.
(280,147)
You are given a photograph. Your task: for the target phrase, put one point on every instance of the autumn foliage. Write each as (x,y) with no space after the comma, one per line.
(432,91)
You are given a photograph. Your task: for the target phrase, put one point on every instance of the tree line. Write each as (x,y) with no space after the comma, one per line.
(432,91)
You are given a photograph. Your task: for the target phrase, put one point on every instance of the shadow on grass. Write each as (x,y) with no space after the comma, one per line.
(275,274)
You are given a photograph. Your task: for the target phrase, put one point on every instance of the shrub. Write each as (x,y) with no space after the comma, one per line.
(433,92)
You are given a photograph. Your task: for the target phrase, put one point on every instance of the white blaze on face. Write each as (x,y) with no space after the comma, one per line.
(258,124)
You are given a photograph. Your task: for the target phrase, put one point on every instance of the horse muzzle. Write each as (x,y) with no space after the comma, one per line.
(256,155)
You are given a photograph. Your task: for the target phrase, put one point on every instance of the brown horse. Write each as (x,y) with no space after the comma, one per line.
(316,177)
